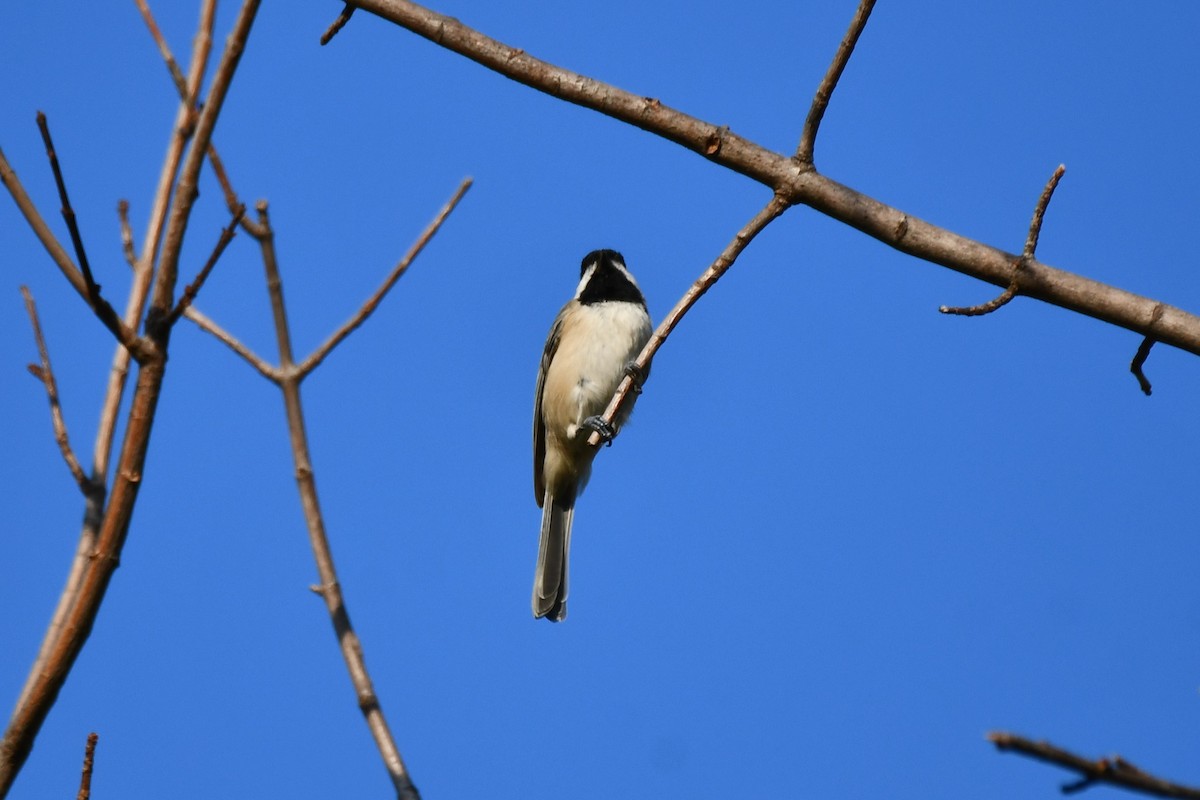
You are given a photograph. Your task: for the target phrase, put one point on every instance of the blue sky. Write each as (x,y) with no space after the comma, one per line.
(844,535)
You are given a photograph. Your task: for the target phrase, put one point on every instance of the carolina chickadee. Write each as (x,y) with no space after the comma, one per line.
(593,340)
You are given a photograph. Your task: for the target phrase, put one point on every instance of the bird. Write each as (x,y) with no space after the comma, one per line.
(591,347)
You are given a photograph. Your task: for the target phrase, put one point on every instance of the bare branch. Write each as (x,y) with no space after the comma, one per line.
(187,95)
(724,261)
(798,183)
(816,112)
(45,373)
(100,306)
(374,300)
(1114,770)
(126,234)
(193,288)
(119,373)
(1139,360)
(1143,352)
(1039,211)
(77,611)
(330,588)
(337,24)
(89,760)
(229,340)
(186,190)
(68,213)
(1031,240)
(39,227)
(144,270)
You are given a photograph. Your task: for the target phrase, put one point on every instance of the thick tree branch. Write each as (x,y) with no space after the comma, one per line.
(118,375)
(1113,770)
(80,604)
(372,302)
(801,184)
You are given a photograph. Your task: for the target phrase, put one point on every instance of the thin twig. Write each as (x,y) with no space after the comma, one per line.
(100,306)
(1031,240)
(1139,360)
(229,340)
(89,761)
(186,93)
(337,24)
(192,289)
(816,112)
(329,587)
(126,234)
(67,211)
(1143,351)
(1039,212)
(45,373)
(58,254)
(1115,770)
(374,300)
(710,276)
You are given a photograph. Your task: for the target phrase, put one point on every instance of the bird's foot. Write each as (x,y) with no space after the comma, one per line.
(602,427)
(637,374)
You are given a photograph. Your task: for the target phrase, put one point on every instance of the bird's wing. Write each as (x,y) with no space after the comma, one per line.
(539,425)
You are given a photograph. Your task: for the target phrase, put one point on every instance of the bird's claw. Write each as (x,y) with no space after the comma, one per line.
(602,427)
(637,374)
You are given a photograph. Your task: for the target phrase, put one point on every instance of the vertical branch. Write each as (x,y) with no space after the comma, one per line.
(329,588)
(816,112)
(119,373)
(89,761)
(186,190)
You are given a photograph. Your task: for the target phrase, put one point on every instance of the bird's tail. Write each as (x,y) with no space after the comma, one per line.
(550,580)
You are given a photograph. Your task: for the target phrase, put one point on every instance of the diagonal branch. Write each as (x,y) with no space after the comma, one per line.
(100,306)
(337,24)
(318,355)
(816,112)
(45,373)
(119,373)
(233,343)
(80,605)
(192,289)
(1114,770)
(801,185)
(37,224)
(764,217)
